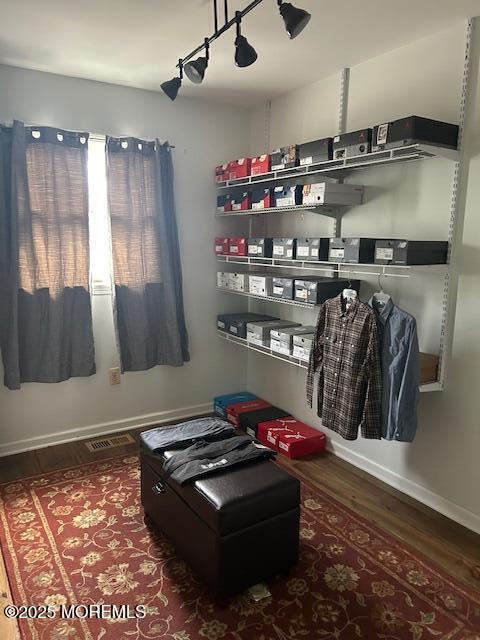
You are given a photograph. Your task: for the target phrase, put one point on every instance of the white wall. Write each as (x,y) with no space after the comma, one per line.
(441,466)
(204,134)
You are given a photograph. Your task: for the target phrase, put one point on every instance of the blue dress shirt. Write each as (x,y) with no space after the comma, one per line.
(400,360)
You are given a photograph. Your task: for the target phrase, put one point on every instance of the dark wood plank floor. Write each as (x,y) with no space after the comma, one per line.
(448,544)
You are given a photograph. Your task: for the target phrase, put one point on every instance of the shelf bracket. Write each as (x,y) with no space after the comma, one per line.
(457,207)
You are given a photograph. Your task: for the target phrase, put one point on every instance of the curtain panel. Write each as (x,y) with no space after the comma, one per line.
(147,271)
(45,308)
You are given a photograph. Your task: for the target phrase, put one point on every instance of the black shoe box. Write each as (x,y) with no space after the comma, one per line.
(284,158)
(262,198)
(414,130)
(224,320)
(260,247)
(283,288)
(312,249)
(356,250)
(249,420)
(287,196)
(355,143)
(224,203)
(411,252)
(316,151)
(284,248)
(315,290)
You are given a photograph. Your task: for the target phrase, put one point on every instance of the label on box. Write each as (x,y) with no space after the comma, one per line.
(221,324)
(336,139)
(278,291)
(233,248)
(218,248)
(237,206)
(307,160)
(278,250)
(283,445)
(276,345)
(314,253)
(302,353)
(337,253)
(234,329)
(285,202)
(384,254)
(270,438)
(382,132)
(301,293)
(289,253)
(402,245)
(302,251)
(253,340)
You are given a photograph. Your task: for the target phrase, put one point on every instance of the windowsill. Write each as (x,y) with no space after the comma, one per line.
(101,289)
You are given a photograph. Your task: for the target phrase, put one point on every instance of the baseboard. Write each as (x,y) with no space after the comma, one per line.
(445,507)
(102,429)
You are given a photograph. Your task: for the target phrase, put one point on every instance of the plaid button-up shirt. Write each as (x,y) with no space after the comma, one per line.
(345,354)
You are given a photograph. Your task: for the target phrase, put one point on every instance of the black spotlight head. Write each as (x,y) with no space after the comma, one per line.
(195,71)
(295,19)
(245,54)
(171,87)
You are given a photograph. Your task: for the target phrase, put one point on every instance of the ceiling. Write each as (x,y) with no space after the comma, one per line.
(137,43)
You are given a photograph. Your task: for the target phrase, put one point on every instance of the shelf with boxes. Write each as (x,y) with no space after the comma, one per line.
(404,140)
(326,198)
(341,256)
(342,166)
(428,371)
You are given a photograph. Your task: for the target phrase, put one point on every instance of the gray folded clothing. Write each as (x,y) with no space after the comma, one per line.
(179,436)
(203,459)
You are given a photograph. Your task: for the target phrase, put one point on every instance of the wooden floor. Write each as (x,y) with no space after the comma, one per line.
(449,545)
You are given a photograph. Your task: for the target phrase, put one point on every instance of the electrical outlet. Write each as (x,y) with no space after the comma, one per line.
(115,375)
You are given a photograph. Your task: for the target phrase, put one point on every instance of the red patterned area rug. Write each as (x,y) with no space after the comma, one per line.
(77,537)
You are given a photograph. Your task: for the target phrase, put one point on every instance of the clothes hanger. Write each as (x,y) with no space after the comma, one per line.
(349,294)
(380,298)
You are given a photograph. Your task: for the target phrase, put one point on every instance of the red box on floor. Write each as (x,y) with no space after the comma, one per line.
(235,410)
(238,247)
(222,172)
(291,437)
(222,246)
(239,168)
(260,164)
(269,432)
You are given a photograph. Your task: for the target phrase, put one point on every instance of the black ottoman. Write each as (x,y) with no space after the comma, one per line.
(235,528)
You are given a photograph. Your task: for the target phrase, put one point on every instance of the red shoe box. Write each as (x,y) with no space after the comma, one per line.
(269,432)
(235,410)
(222,172)
(239,168)
(261,164)
(238,247)
(291,437)
(241,201)
(222,246)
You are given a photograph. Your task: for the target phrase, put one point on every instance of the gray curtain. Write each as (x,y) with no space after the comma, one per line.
(147,269)
(45,309)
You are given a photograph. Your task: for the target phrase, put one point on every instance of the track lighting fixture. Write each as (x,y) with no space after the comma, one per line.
(295,22)
(171,87)
(245,54)
(295,19)
(195,71)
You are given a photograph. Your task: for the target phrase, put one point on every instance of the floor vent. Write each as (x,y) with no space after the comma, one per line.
(109,443)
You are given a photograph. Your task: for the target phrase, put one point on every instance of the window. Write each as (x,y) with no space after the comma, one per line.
(99,220)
